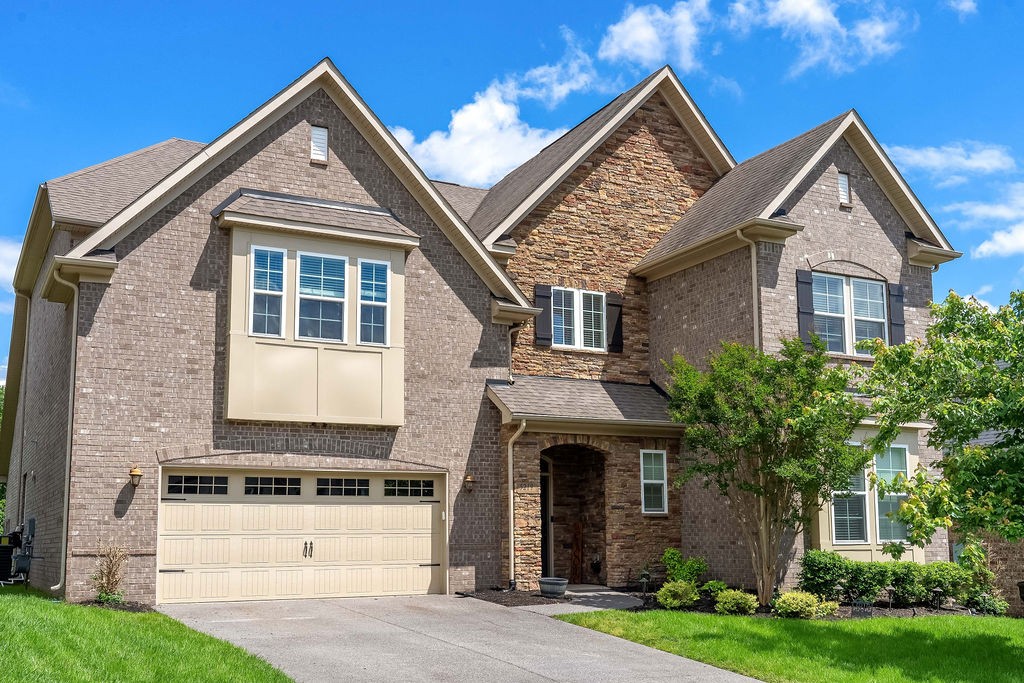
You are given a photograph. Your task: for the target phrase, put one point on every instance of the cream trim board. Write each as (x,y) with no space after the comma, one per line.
(299,296)
(283,294)
(644,481)
(386,306)
(231,219)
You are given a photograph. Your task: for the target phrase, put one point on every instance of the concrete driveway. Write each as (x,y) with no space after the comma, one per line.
(431,638)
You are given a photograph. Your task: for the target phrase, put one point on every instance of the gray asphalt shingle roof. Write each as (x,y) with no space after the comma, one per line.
(514,188)
(465,200)
(312,210)
(580,399)
(96,194)
(744,192)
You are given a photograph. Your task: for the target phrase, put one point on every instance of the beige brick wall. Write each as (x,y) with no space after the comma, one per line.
(597,225)
(152,361)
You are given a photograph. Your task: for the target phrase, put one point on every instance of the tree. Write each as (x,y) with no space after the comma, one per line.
(770,433)
(966,377)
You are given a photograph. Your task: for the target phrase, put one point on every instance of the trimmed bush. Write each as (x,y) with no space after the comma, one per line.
(953,580)
(865,580)
(678,569)
(676,594)
(797,605)
(827,608)
(989,604)
(735,602)
(905,577)
(713,588)
(823,573)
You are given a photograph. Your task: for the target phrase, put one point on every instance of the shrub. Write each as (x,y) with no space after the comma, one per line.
(735,602)
(952,579)
(823,573)
(989,604)
(678,569)
(905,577)
(982,595)
(676,594)
(865,580)
(713,588)
(797,604)
(827,608)
(109,572)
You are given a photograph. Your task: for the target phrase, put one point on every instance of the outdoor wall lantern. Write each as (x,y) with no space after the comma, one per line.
(135,475)
(468,481)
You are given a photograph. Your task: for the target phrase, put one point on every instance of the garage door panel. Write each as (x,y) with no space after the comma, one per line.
(300,546)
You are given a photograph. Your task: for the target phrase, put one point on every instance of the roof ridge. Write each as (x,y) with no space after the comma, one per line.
(120,159)
(449,182)
(796,137)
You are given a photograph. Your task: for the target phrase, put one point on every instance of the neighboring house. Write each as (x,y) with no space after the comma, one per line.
(331,370)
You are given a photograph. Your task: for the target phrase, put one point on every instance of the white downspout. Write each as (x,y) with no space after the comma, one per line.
(71,419)
(512,508)
(512,330)
(23,407)
(755,290)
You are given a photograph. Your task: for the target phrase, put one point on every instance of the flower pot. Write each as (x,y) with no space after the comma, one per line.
(551,587)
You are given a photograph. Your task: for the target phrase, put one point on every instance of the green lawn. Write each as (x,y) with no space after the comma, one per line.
(43,640)
(986,650)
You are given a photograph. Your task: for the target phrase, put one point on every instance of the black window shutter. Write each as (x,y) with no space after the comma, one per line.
(897,331)
(613,313)
(542,323)
(805,305)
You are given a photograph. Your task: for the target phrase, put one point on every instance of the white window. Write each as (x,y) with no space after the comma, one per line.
(321,294)
(373,302)
(577,319)
(653,482)
(850,512)
(888,465)
(267,300)
(318,144)
(844,188)
(847,310)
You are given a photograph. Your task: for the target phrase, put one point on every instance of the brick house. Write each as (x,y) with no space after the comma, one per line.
(339,377)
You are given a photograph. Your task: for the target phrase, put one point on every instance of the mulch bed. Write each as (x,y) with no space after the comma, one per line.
(119,606)
(514,598)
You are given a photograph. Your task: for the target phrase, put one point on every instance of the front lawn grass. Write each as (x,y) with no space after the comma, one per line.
(981,649)
(45,640)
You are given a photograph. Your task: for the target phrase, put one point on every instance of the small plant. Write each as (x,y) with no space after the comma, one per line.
(676,594)
(823,573)
(797,605)
(713,587)
(827,608)
(989,604)
(678,569)
(735,602)
(110,565)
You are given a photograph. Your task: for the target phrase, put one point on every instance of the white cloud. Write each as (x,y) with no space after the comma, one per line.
(720,84)
(1009,208)
(650,36)
(951,181)
(964,8)
(10,251)
(966,156)
(552,83)
(1002,243)
(979,293)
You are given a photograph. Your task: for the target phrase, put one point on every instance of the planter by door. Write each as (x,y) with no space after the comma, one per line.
(553,588)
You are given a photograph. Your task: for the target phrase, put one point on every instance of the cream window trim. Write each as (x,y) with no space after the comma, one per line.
(867,508)
(849,317)
(318,137)
(663,482)
(386,304)
(578,344)
(845,189)
(283,294)
(299,296)
(876,501)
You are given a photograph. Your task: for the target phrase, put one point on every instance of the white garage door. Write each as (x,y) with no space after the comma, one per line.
(244,535)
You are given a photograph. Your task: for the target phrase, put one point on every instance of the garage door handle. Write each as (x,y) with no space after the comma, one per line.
(436,564)
(305,549)
(311,549)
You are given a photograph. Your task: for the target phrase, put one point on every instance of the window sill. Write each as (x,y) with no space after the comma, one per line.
(655,514)
(846,205)
(849,357)
(318,163)
(576,349)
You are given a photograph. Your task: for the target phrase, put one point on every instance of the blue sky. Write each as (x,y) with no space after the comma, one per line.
(474,88)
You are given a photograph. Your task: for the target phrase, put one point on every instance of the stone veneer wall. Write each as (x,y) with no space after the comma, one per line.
(602,219)
(152,362)
(633,540)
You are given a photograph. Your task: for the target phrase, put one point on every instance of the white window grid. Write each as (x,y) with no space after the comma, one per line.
(299,296)
(649,506)
(848,316)
(586,334)
(253,291)
(385,305)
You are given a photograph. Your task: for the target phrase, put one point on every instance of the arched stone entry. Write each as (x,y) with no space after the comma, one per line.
(573,512)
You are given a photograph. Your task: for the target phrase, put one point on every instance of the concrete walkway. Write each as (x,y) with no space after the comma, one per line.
(431,638)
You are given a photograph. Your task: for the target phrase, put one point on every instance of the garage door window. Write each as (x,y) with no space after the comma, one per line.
(342,487)
(197,484)
(409,488)
(272,486)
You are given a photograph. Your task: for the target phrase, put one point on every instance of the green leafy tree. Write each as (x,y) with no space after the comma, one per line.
(966,377)
(769,432)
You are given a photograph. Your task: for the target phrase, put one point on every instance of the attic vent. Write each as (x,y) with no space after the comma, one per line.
(844,188)
(318,144)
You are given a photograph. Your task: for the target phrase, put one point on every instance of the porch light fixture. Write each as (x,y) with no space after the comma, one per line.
(468,481)
(135,476)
